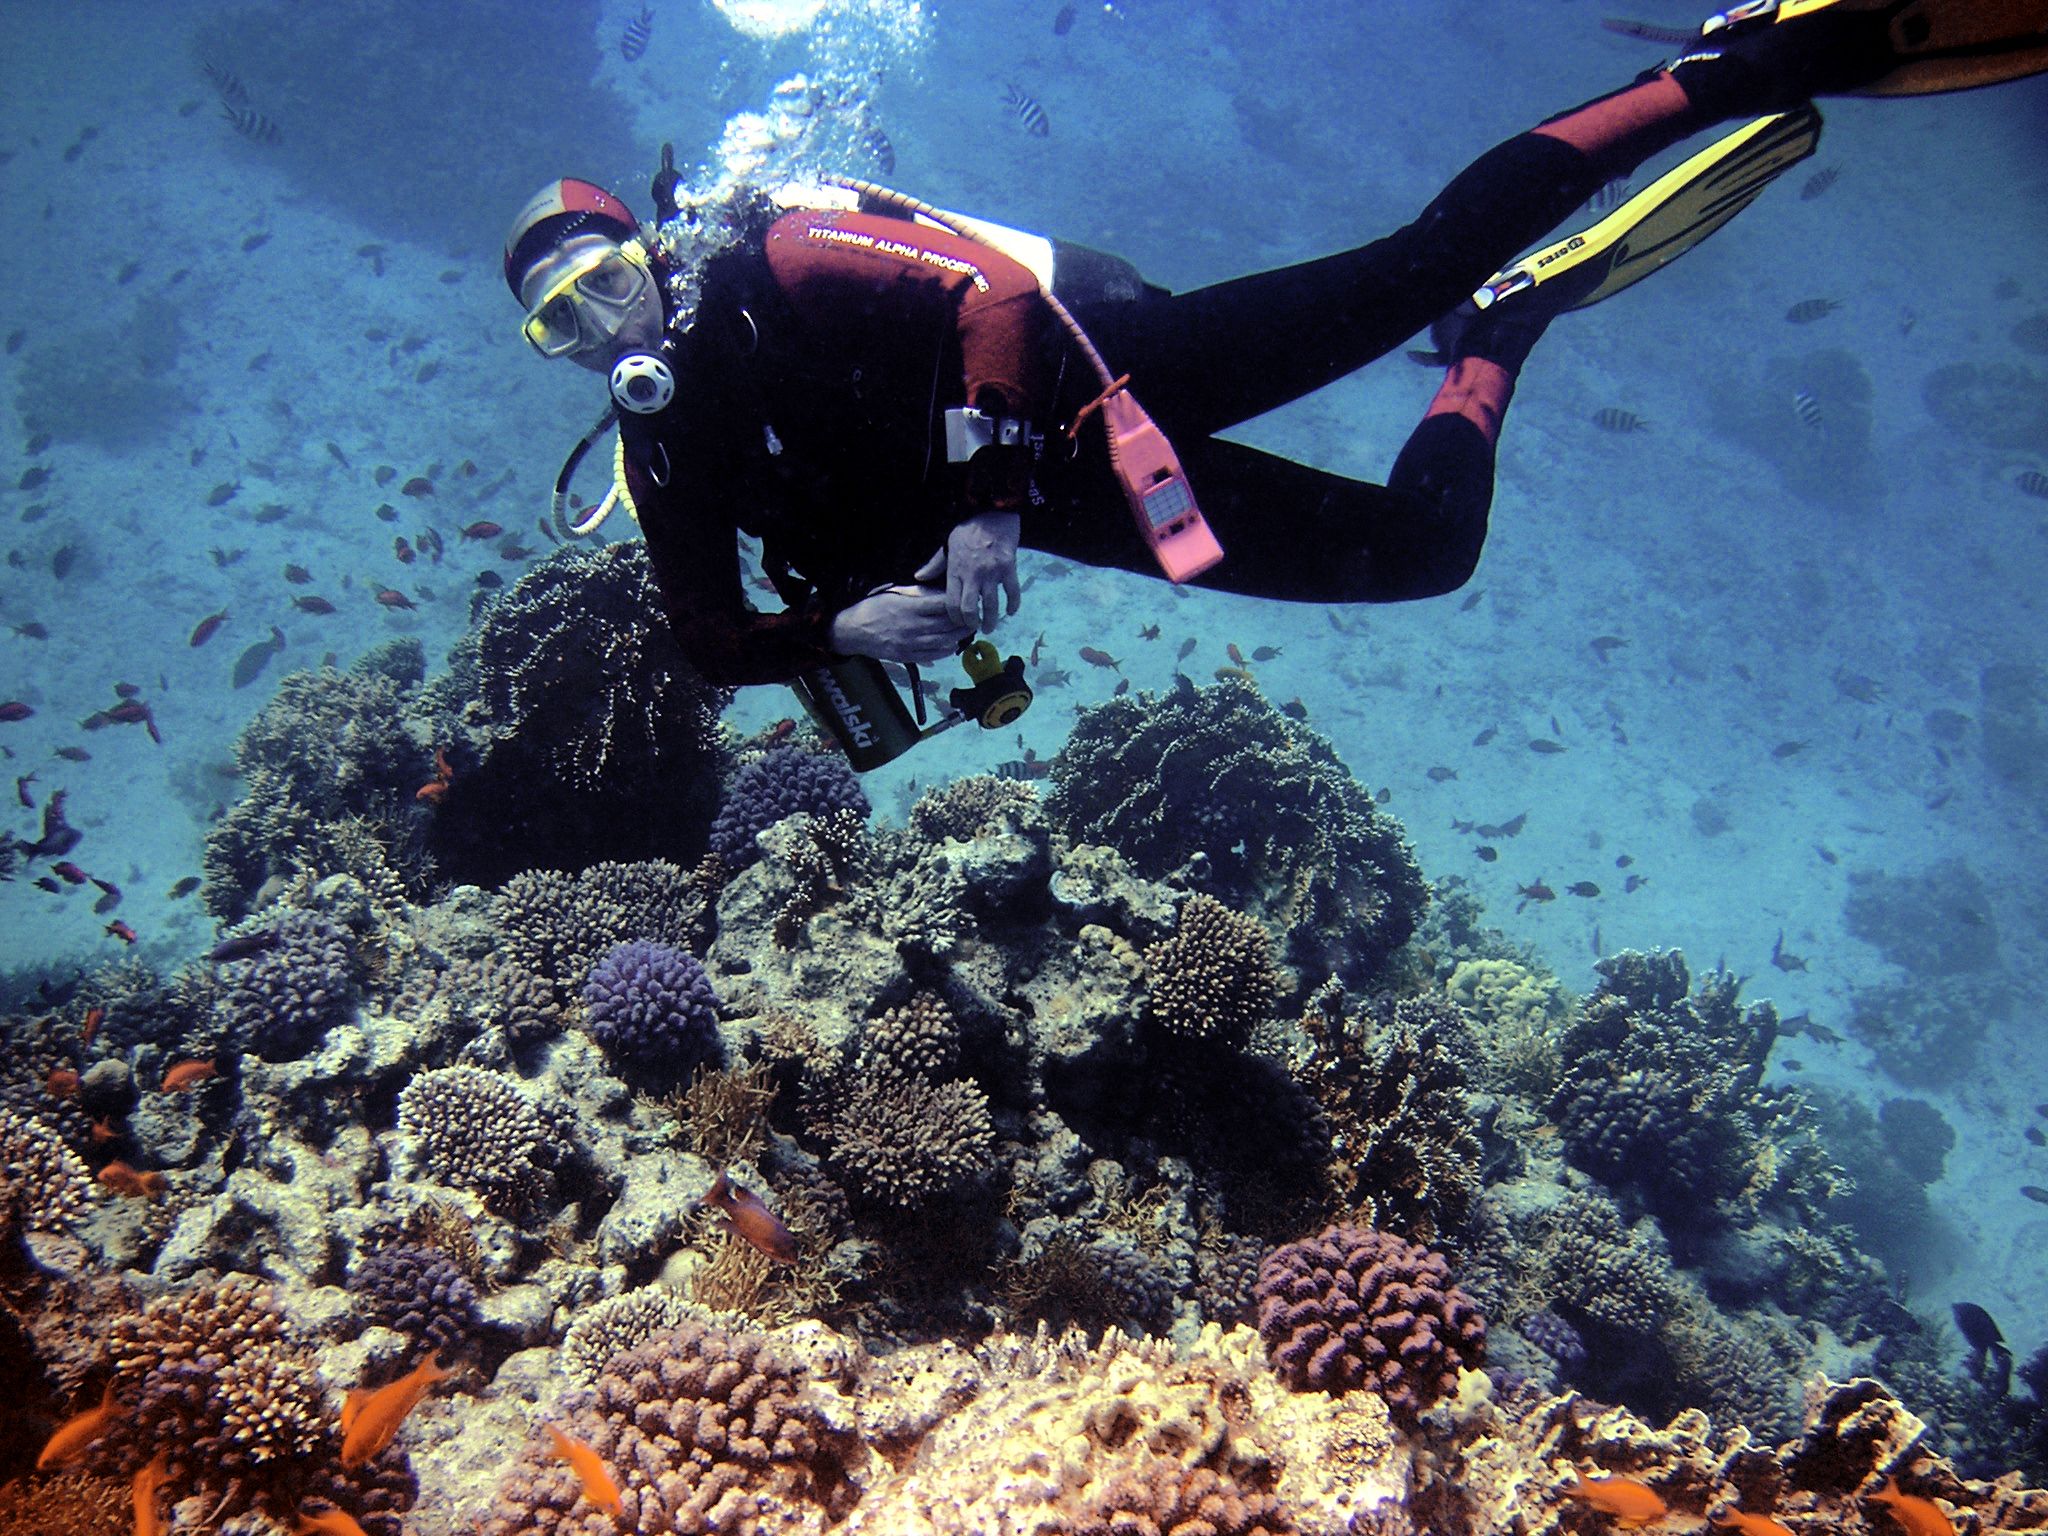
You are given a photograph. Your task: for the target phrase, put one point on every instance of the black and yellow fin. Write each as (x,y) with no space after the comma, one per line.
(1937,45)
(1663,221)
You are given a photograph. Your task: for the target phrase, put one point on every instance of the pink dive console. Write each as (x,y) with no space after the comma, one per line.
(1150,473)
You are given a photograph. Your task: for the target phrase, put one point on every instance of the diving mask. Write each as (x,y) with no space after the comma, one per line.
(588,301)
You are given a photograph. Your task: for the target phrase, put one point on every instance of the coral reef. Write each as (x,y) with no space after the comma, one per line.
(651,1006)
(345,808)
(284,998)
(704,1429)
(475,1129)
(919,1037)
(909,1143)
(1213,978)
(1216,786)
(419,1292)
(787,781)
(1352,1307)
(966,808)
(44,1187)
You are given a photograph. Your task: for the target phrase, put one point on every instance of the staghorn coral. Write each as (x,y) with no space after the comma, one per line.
(1352,1307)
(917,1037)
(477,1130)
(329,759)
(1280,828)
(651,1006)
(706,1430)
(1390,1086)
(965,808)
(788,781)
(420,1293)
(908,1142)
(44,1187)
(1213,977)
(281,1001)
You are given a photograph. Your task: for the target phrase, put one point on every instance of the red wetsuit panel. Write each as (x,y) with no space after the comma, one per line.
(838,267)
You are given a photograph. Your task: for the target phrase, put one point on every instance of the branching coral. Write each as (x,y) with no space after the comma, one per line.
(652,1007)
(477,1130)
(966,807)
(1518,1015)
(788,781)
(706,1430)
(420,1293)
(558,925)
(1663,1092)
(617,1324)
(213,1379)
(1356,1308)
(328,760)
(44,1187)
(1283,830)
(283,999)
(909,1142)
(1390,1083)
(1213,977)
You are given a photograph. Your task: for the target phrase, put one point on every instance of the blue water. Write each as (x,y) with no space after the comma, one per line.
(200,308)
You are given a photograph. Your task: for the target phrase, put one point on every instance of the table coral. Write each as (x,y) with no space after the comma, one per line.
(1281,827)
(1352,1307)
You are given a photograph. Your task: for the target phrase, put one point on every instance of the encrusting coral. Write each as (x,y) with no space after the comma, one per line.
(1279,826)
(1352,1307)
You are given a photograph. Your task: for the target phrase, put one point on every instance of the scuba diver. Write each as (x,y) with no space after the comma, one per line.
(894,400)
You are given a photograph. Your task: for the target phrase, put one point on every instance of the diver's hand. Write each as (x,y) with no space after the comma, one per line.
(979,563)
(899,624)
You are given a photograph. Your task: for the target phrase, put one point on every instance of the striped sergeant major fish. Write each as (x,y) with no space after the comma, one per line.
(1025,108)
(633,41)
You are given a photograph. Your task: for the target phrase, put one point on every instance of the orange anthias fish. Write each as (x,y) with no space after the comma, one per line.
(148,1479)
(589,1468)
(746,1215)
(189,1074)
(125,1180)
(1751,1525)
(78,1432)
(322,1517)
(1915,1515)
(1630,1502)
(370,1420)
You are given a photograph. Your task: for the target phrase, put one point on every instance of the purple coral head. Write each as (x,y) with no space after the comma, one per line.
(1556,1338)
(787,782)
(651,1005)
(1353,1308)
